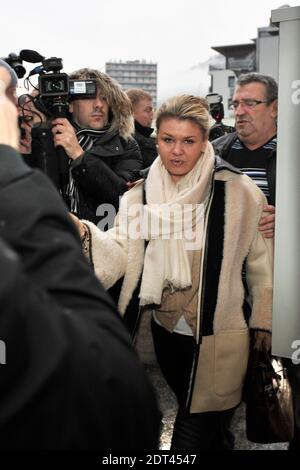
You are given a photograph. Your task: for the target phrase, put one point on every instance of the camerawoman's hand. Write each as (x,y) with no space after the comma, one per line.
(64,135)
(26,141)
(9,131)
(262,340)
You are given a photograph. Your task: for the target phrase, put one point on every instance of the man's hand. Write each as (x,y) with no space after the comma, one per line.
(267,222)
(9,131)
(64,135)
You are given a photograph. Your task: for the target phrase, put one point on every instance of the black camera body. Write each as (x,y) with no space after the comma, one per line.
(216,110)
(53,83)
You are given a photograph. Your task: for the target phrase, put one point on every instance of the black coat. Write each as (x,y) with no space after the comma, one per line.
(72,379)
(102,172)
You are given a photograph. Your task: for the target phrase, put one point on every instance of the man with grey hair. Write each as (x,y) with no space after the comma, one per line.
(13,81)
(252,149)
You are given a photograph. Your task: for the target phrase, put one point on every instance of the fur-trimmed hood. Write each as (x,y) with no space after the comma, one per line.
(122,120)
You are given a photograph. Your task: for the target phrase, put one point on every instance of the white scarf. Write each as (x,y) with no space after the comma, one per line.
(169,254)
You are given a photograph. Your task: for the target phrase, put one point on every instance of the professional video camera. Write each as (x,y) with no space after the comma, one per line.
(216,109)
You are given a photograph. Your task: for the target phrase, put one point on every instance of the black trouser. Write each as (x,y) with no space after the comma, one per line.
(201,431)
(293,372)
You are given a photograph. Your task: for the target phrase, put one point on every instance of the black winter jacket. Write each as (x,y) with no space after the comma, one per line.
(102,172)
(222,147)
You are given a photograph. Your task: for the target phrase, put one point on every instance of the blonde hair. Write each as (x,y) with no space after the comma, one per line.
(183,107)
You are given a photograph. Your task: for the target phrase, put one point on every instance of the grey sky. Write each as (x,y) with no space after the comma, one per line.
(175,34)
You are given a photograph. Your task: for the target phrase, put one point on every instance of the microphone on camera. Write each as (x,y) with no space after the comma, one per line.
(31,56)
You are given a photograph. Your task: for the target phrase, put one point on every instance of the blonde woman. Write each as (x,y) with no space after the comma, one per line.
(180,240)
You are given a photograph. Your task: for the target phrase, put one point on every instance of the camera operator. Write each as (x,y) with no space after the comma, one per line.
(252,149)
(98,141)
(72,380)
